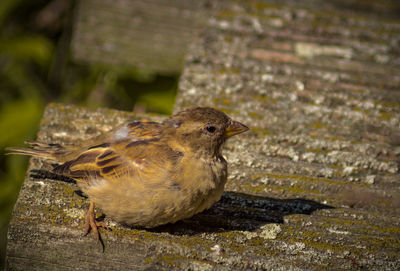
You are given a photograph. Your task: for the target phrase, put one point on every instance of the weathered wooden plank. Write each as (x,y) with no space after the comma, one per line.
(151,35)
(320,90)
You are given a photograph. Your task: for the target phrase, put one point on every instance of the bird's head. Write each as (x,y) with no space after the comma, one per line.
(203,128)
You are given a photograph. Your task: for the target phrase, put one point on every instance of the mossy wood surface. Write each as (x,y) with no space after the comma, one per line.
(313,186)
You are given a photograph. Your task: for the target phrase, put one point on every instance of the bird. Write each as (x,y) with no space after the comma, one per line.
(145,173)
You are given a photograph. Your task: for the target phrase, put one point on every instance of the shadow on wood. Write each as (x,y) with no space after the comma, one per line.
(242,212)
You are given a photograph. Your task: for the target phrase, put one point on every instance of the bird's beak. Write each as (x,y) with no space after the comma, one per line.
(235,128)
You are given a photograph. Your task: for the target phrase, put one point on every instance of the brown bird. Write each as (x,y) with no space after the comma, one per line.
(146,173)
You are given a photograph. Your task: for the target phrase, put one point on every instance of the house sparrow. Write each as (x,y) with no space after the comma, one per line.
(146,173)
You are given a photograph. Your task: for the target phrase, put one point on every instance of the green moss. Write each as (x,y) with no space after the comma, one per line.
(318,151)
(227,14)
(264,98)
(306,179)
(228,38)
(232,240)
(172,259)
(375,244)
(238,242)
(228,71)
(317,125)
(260,6)
(390,105)
(261,132)
(52,214)
(133,234)
(312,239)
(391,230)
(385,115)
(260,246)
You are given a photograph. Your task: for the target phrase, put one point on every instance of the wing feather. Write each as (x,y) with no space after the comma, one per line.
(105,155)
(132,152)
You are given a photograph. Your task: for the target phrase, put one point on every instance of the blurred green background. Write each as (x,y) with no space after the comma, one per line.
(35,70)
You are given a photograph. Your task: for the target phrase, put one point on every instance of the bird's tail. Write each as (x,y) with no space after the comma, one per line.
(40,149)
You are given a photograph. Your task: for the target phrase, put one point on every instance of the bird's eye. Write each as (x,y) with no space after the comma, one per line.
(211,129)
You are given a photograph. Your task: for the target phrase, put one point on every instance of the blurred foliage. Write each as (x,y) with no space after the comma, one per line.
(33,72)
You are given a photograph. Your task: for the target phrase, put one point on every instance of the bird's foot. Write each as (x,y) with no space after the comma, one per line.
(91,224)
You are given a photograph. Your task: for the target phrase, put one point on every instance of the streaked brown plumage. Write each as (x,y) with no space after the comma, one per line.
(146,173)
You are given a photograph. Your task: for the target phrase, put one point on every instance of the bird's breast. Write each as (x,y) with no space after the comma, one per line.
(194,185)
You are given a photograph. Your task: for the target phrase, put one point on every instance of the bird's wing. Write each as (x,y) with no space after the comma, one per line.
(128,132)
(134,151)
(132,131)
